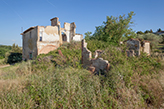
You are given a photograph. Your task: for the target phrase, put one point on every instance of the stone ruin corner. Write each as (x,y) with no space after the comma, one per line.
(96,64)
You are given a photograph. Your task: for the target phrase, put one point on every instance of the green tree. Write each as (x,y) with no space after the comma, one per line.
(16,49)
(3,50)
(88,35)
(115,29)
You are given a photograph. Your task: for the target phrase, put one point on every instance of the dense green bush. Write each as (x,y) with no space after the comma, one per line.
(14,58)
(14,55)
(154,39)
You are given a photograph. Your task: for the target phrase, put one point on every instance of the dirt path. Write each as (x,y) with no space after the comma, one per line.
(3,66)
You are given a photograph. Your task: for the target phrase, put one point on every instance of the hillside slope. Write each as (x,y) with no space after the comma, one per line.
(55,81)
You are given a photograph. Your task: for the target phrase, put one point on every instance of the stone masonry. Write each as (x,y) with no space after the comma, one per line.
(43,39)
(86,55)
(135,47)
(96,64)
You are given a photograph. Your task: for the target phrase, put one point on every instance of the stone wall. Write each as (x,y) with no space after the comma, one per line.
(135,47)
(146,47)
(30,43)
(50,39)
(86,55)
(94,65)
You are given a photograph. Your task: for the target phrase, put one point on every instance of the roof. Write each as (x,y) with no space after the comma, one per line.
(28,30)
(54,18)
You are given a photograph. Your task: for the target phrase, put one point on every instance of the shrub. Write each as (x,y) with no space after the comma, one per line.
(14,58)
(154,39)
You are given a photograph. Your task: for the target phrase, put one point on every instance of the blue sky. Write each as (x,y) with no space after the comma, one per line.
(86,14)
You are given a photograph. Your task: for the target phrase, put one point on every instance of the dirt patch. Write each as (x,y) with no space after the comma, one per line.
(161,79)
(8,83)
(3,66)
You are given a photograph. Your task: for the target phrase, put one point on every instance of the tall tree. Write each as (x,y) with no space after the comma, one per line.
(115,28)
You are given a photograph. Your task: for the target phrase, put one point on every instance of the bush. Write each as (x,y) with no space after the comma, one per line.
(154,39)
(14,58)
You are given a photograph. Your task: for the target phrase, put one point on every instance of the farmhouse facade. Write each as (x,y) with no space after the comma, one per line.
(43,39)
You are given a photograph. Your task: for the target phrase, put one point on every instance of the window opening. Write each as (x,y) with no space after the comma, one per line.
(30,55)
(41,34)
(64,37)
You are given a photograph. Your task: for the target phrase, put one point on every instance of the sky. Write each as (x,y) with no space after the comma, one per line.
(18,15)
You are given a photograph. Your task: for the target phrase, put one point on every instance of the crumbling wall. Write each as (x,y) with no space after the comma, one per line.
(48,33)
(100,64)
(78,37)
(86,55)
(96,64)
(50,39)
(146,47)
(134,45)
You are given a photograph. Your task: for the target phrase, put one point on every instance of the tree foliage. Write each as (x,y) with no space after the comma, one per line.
(147,31)
(159,30)
(140,32)
(154,39)
(114,29)
(3,50)
(88,35)
(14,55)
(16,49)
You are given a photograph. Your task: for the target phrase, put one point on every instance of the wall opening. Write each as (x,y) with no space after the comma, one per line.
(40,38)
(30,55)
(64,37)
(41,34)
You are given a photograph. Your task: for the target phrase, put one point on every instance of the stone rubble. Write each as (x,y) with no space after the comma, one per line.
(93,65)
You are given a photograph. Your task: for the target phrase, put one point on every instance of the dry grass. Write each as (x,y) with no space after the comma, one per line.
(131,83)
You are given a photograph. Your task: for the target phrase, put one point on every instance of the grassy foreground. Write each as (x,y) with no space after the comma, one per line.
(63,83)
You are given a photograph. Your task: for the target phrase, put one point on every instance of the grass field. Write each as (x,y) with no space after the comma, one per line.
(63,83)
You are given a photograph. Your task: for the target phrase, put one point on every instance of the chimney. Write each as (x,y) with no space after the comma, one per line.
(55,21)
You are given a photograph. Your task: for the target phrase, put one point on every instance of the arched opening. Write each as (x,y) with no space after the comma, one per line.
(64,37)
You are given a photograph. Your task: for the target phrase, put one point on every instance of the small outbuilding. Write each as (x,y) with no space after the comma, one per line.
(136,46)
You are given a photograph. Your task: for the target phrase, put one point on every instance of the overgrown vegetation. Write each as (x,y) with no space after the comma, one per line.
(10,54)
(3,50)
(62,83)
(57,81)
(114,30)
(154,39)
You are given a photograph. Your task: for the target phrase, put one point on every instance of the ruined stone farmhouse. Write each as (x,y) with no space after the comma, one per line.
(135,47)
(43,39)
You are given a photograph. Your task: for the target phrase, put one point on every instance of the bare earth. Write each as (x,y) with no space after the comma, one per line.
(3,66)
